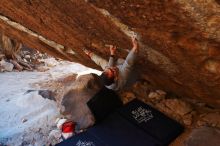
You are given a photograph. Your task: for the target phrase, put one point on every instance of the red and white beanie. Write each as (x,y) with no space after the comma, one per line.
(67,127)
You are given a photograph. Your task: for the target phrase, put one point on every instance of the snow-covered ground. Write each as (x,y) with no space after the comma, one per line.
(27,118)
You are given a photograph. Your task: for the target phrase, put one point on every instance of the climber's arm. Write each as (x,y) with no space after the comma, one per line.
(130,59)
(112,54)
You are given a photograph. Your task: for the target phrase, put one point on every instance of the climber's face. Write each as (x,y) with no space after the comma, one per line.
(111,72)
(109,76)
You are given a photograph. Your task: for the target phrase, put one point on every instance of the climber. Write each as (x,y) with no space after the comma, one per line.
(115,76)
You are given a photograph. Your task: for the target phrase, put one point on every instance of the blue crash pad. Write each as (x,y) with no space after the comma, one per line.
(82,139)
(117,131)
(150,120)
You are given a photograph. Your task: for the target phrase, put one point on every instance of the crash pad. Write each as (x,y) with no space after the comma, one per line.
(117,131)
(82,139)
(103,103)
(134,124)
(152,121)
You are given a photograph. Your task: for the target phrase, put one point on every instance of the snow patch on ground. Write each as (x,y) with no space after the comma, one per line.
(27,118)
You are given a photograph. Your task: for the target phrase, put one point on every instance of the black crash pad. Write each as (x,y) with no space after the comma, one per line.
(103,103)
(150,120)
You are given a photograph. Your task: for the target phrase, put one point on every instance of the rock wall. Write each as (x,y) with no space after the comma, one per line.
(179,39)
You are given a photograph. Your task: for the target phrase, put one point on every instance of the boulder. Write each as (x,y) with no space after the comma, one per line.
(6,66)
(127,97)
(179,40)
(204,136)
(157,95)
(178,106)
(209,119)
(74,102)
(177,109)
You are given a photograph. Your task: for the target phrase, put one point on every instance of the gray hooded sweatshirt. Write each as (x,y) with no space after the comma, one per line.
(124,70)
